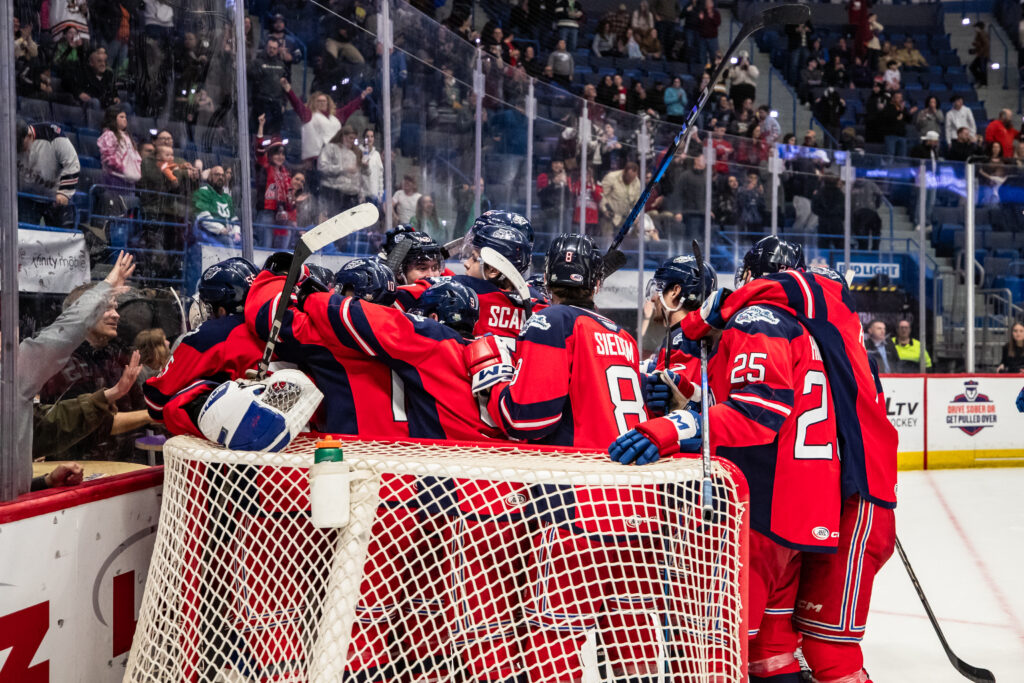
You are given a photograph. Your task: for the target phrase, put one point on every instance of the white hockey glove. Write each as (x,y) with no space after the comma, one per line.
(260,416)
(488,363)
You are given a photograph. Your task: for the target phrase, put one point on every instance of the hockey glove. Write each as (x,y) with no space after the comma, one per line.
(488,363)
(711,309)
(259,416)
(1020,401)
(679,431)
(665,391)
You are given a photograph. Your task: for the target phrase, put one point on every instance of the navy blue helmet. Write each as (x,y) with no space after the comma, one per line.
(770,254)
(511,243)
(322,274)
(683,271)
(455,305)
(573,261)
(227,284)
(509,219)
(367,279)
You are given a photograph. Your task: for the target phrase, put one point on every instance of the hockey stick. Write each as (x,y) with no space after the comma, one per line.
(333,229)
(489,257)
(969,672)
(397,256)
(773,16)
(707,504)
(455,243)
(181,311)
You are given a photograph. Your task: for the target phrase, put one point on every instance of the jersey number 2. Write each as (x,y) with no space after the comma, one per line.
(811,417)
(616,376)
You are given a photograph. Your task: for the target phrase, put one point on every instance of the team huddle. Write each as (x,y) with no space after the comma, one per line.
(412,351)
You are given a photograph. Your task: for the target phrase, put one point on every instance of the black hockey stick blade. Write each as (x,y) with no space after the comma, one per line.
(331,230)
(397,256)
(973,673)
(614,259)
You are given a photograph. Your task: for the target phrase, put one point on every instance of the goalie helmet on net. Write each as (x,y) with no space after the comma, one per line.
(260,416)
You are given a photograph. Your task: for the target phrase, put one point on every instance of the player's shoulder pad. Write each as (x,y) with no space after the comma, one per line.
(476,284)
(213,332)
(431,329)
(767,320)
(553,323)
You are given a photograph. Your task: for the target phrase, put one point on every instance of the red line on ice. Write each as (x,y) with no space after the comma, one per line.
(1001,600)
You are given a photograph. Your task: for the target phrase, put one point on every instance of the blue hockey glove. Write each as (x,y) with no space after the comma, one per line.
(657,394)
(711,309)
(679,431)
(1020,401)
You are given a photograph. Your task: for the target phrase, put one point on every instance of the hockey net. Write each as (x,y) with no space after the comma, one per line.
(460,562)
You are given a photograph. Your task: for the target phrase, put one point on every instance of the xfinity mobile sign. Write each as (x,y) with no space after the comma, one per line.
(869,270)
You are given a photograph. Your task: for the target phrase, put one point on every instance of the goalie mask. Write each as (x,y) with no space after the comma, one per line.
(455,305)
(367,279)
(226,284)
(682,271)
(261,416)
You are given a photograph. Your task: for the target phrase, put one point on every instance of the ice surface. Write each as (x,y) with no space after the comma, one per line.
(963,531)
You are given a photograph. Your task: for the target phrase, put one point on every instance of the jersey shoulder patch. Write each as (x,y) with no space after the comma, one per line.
(767,320)
(753,314)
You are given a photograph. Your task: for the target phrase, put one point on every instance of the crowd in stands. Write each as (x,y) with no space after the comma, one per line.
(145,94)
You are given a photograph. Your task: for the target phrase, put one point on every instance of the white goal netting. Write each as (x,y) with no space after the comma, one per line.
(459,562)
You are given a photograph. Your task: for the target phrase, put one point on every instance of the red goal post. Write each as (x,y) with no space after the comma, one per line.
(460,562)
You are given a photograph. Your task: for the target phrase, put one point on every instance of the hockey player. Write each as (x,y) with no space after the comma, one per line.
(501,311)
(834,594)
(219,350)
(424,259)
(341,373)
(775,417)
(675,290)
(576,384)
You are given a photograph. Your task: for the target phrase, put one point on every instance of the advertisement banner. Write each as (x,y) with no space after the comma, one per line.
(52,262)
(904,403)
(975,421)
(72,584)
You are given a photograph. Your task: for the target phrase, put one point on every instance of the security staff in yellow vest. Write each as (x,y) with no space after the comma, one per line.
(909,350)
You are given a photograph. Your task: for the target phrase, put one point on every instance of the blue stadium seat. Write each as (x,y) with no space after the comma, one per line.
(35,110)
(89,161)
(70,115)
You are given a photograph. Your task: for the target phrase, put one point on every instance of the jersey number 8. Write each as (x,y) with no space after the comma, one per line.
(618,376)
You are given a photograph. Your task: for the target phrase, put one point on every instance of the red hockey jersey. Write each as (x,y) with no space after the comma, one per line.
(821,302)
(774,417)
(501,314)
(576,384)
(425,355)
(679,362)
(361,396)
(217,351)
